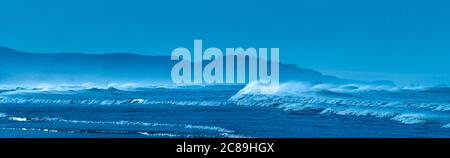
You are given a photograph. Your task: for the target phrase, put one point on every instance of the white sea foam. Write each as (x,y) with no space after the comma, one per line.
(54,88)
(446,125)
(140,101)
(19,119)
(409,118)
(221,131)
(303,97)
(290,97)
(159,134)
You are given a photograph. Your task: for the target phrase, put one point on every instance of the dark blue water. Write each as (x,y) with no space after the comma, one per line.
(225,111)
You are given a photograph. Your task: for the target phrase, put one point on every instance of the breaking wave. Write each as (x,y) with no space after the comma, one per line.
(154,129)
(6,100)
(113,94)
(8,89)
(405,105)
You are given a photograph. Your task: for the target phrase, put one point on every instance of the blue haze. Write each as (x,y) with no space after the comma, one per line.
(405,40)
(100,68)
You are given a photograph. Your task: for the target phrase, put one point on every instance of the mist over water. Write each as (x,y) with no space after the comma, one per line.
(297,110)
(46,95)
(346,69)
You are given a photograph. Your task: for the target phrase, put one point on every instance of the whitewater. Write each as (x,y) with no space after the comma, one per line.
(297,110)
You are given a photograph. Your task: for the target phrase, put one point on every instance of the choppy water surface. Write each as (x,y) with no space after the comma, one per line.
(297,110)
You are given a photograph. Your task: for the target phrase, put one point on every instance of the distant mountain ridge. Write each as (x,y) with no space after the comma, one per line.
(23,67)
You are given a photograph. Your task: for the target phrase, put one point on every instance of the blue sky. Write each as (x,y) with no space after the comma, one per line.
(404,40)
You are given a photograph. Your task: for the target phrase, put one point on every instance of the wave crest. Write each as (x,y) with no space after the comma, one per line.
(344,100)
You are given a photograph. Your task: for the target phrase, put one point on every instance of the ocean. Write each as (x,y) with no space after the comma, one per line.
(297,110)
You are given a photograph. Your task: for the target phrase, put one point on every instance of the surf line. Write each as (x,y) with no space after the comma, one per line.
(213,72)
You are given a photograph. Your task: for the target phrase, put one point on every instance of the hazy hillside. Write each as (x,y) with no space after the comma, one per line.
(21,67)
